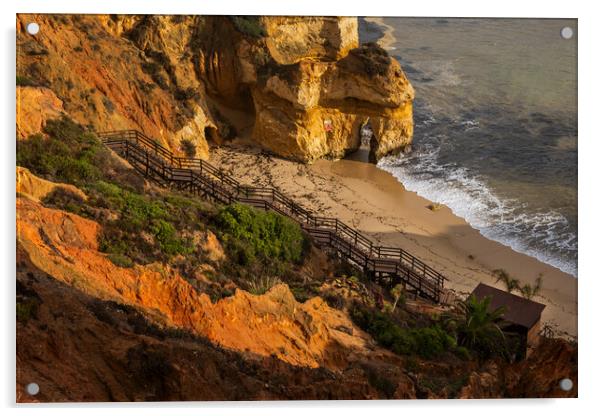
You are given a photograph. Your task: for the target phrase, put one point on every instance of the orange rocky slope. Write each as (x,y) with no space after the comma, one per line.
(312,334)
(80,348)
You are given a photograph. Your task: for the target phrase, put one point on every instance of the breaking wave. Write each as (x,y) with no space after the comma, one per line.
(546,236)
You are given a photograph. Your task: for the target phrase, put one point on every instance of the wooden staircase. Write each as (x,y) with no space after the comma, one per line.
(389,265)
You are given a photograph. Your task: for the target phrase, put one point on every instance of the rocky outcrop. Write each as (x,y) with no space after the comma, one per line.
(537,376)
(79,348)
(309,334)
(104,81)
(35,105)
(37,188)
(300,86)
(316,109)
(293,39)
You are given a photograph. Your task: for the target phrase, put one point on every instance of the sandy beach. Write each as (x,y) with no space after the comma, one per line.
(376,204)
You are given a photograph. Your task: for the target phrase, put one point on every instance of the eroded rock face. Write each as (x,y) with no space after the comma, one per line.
(35,106)
(309,334)
(37,188)
(292,39)
(316,109)
(107,82)
(103,351)
(303,87)
(112,322)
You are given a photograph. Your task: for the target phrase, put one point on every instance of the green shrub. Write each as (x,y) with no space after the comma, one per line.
(169,242)
(428,342)
(303,292)
(138,215)
(68,154)
(334,300)
(188,147)
(249,25)
(380,382)
(65,199)
(259,286)
(463,353)
(26,310)
(121,260)
(249,233)
(478,328)
(23,81)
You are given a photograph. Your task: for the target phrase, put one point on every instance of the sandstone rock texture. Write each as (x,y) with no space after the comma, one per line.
(36,105)
(87,349)
(309,334)
(300,87)
(37,188)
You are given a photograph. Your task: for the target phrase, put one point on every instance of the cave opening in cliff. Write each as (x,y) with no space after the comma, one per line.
(364,153)
(211,135)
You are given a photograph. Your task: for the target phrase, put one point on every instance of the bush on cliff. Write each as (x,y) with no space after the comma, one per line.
(374,58)
(249,25)
(428,342)
(479,329)
(146,229)
(68,153)
(265,234)
(188,147)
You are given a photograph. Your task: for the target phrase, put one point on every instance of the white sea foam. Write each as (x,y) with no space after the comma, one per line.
(543,235)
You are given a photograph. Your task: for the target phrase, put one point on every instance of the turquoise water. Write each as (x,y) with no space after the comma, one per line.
(495,126)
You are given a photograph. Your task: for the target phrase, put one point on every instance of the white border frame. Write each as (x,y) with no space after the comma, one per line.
(589,200)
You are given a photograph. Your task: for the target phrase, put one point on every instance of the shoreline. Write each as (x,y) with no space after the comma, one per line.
(375,203)
(514,243)
(387,39)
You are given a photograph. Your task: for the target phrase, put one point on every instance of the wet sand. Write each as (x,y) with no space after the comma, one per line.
(375,203)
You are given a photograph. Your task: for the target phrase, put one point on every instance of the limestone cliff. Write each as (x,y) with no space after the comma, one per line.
(301,87)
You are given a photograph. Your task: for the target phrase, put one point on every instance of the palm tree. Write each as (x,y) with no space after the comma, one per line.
(397,293)
(478,328)
(511,283)
(529,291)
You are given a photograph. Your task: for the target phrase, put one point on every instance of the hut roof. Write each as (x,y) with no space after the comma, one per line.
(519,311)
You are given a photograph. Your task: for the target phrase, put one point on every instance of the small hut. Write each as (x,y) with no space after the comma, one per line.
(522,315)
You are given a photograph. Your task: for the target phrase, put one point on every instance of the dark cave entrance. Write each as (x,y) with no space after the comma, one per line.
(211,135)
(364,152)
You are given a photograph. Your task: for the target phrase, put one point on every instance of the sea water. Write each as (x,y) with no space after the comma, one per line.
(495,135)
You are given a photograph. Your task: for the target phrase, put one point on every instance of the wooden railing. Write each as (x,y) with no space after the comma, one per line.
(205,180)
